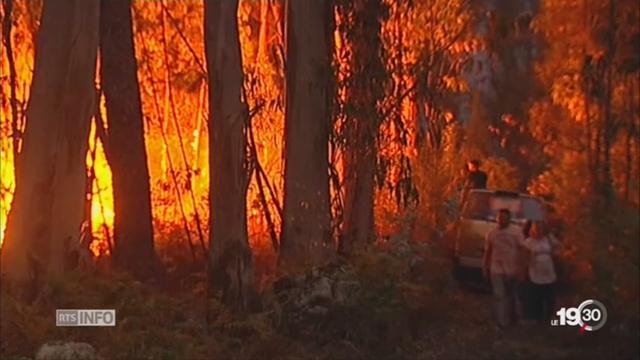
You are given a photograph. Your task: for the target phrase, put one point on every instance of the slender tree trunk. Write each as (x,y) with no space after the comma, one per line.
(306,226)
(591,163)
(47,210)
(607,132)
(589,83)
(607,178)
(631,137)
(628,163)
(133,229)
(597,161)
(362,125)
(359,164)
(230,260)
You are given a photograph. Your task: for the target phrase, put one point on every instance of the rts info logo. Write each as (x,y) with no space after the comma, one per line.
(590,315)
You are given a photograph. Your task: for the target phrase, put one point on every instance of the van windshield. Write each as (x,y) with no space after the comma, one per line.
(483,206)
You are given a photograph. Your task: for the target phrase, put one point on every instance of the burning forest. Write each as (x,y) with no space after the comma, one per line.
(320,178)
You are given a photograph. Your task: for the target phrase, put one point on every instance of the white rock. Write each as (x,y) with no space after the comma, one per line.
(318,310)
(66,351)
(345,290)
(321,290)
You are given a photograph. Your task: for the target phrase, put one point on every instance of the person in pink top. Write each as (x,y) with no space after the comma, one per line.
(542,273)
(500,264)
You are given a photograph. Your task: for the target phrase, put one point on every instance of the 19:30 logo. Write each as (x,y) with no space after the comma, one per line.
(590,315)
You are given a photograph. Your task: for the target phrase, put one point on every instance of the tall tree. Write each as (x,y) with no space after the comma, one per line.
(589,68)
(126,154)
(47,210)
(230,261)
(363,119)
(511,47)
(306,226)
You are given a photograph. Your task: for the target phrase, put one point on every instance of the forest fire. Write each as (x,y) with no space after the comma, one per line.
(177,158)
(320,178)
(7,181)
(101,195)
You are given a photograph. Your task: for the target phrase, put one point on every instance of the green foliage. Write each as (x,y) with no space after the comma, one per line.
(391,316)
(149,324)
(601,245)
(439,176)
(611,251)
(583,125)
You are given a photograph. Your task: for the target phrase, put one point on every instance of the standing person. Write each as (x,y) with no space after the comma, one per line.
(542,273)
(476,179)
(500,265)
(523,283)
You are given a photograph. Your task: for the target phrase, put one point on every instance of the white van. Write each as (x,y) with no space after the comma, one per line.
(478,217)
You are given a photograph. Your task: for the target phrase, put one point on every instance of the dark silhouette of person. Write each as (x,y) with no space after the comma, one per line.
(476,178)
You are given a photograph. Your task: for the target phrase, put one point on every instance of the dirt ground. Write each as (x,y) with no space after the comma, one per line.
(471,333)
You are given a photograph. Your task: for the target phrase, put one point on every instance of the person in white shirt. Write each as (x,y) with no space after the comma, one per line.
(500,263)
(542,273)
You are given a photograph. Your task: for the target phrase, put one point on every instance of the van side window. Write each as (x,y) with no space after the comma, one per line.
(532,209)
(482,206)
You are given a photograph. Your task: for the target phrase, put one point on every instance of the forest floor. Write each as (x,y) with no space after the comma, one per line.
(398,312)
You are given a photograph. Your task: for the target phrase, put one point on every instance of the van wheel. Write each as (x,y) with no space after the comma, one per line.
(458,271)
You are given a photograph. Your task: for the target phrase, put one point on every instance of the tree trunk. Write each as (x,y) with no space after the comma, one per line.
(47,210)
(628,163)
(306,226)
(362,125)
(133,229)
(230,260)
(359,164)
(591,162)
(607,130)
